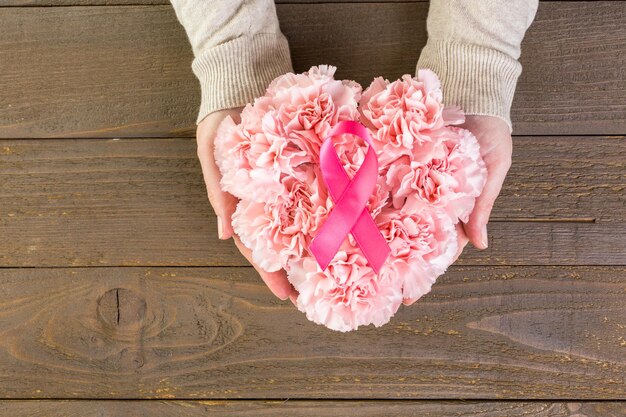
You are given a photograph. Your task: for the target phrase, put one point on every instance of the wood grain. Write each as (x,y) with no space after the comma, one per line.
(185,333)
(549,339)
(545,101)
(56,3)
(80,202)
(10,3)
(110,71)
(124,71)
(293,408)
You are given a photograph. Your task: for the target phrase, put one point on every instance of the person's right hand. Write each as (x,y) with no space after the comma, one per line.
(224,204)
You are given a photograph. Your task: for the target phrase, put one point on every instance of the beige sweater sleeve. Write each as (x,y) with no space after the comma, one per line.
(474,45)
(238,49)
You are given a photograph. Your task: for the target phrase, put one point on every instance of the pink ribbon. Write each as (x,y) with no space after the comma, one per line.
(349,215)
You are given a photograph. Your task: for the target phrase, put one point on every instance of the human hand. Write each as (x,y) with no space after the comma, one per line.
(496,148)
(224,203)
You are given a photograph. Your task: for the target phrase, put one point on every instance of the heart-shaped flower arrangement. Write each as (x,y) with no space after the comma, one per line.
(429,175)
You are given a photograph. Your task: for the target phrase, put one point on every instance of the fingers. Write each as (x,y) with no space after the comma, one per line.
(462,241)
(223,203)
(277,281)
(476,227)
(494,137)
(409,301)
(293,298)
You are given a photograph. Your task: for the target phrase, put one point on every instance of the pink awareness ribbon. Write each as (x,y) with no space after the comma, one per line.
(349,215)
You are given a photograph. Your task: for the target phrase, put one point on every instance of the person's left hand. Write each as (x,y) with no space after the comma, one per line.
(496,148)
(224,204)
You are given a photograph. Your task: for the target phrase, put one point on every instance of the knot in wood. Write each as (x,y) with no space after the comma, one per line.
(121,307)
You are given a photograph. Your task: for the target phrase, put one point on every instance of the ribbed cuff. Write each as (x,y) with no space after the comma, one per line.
(236,72)
(480,80)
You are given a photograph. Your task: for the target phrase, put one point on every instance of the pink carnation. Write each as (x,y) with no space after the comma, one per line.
(281,229)
(351,151)
(348,294)
(402,114)
(430,174)
(451,180)
(423,244)
(240,155)
(304,107)
(282,130)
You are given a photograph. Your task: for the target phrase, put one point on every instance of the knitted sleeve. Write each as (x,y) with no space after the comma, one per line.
(474,45)
(238,49)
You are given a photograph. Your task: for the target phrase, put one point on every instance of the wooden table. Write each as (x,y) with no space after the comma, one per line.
(114,286)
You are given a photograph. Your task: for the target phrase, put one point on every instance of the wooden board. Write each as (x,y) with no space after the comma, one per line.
(294,408)
(536,339)
(142,202)
(556,55)
(56,3)
(110,71)
(125,71)
(185,333)
(9,3)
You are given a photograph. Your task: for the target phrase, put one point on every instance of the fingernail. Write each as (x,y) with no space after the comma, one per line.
(294,299)
(483,237)
(409,301)
(220,228)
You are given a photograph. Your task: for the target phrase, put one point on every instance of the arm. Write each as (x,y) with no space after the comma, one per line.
(473,45)
(238,50)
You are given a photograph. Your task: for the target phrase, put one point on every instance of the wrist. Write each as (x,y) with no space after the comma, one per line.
(480,80)
(212,120)
(236,72)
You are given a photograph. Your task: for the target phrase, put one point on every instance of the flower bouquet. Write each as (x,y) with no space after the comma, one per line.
(355,194)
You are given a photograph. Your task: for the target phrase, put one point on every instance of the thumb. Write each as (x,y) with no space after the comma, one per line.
(476,226)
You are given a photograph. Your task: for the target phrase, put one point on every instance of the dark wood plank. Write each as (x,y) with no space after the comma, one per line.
(292,408)
(9,3)
(558,54)
(124,71)
(484,333)
(45,3)
(110,71)
(15,3)
(142,202)
(56,3)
